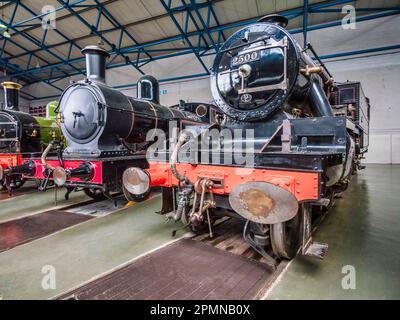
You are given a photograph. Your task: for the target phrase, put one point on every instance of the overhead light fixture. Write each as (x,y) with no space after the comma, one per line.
(6,34)
(37,64)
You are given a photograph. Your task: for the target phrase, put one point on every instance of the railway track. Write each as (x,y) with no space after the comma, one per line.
(198,267)
(194,267)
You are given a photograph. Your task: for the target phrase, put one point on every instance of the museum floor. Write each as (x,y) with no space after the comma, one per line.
(362,231)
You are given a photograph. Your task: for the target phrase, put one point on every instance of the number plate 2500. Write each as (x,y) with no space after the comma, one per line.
(244,58)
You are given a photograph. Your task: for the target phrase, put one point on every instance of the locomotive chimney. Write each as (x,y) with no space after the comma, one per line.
(11,95)
(275,19)
(95,63)
(148,89)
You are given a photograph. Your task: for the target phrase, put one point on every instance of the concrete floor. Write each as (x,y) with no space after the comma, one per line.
(362,231)
(84,251)
(30,203)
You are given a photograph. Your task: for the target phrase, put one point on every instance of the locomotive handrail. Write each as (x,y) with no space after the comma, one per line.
(13,123)
(309,46)
(183,137)
(8,139)
(276,44)
(44,156)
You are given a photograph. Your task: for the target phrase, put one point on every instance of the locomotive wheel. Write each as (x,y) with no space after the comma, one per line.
(95,194)
(131,197)
(286,237)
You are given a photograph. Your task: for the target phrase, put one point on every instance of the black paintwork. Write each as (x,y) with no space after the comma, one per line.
(267,70)
(11,99)
(99,121)
(19,132)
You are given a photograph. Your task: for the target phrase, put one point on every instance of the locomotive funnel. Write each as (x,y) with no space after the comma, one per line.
(11,95)
(95,63)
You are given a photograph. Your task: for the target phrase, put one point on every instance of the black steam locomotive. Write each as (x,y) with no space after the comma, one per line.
(297,155)
(105,131)
(21,136)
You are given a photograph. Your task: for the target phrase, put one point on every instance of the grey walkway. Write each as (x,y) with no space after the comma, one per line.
(362,231)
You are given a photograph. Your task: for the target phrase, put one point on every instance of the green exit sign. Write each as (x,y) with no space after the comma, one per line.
(164,91)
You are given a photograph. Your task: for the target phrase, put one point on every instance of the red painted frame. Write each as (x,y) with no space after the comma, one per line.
(10,159)
(303,185)
(68,164)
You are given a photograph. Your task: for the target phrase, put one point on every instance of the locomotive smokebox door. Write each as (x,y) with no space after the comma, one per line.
(263,202)
(81,113)
(255,70)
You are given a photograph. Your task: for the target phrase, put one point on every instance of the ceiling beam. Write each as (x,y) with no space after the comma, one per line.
(95,30)
(113,29)
(183,31)
(219,29)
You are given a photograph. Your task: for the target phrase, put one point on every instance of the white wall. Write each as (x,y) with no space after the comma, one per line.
(380,78)
(379,74)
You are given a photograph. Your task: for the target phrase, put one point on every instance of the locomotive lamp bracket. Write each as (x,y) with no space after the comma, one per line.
(286,136)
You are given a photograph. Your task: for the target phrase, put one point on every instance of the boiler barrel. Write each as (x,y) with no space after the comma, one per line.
(91,111)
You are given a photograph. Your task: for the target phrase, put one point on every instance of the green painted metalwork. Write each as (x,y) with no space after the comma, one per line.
(49,129)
